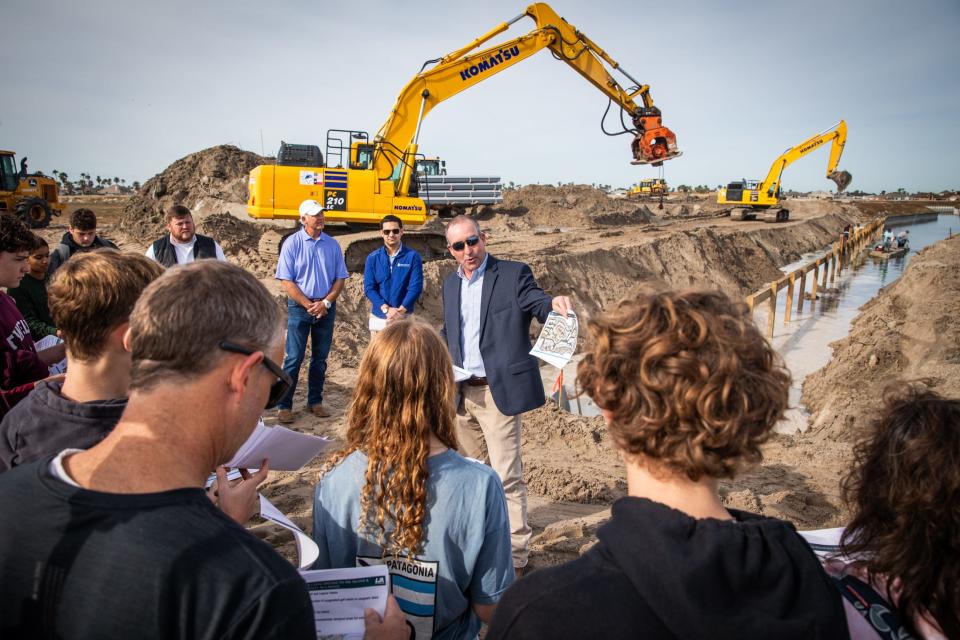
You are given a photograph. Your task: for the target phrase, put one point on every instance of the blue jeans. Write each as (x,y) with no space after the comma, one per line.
(300,325)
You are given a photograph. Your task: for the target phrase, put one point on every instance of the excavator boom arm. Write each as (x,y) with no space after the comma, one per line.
(836,134)
(461,69)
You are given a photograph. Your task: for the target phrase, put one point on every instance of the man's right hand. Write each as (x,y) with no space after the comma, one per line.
(317,309)
(392,627)
(239,499)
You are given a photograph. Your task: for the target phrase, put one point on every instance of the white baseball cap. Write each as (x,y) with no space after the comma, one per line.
(310,208)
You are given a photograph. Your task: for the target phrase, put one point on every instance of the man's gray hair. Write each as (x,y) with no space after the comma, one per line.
(179,321)
(463,219)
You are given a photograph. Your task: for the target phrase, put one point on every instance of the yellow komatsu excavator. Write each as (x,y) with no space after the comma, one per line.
(753,198)
(380,176)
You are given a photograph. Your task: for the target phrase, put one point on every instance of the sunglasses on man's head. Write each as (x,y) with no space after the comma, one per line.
(392,232)
(278,388)
(469,242)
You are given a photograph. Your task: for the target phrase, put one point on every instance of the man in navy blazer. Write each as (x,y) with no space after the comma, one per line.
(487,307)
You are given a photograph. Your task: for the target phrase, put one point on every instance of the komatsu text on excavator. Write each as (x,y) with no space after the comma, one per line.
(362,179)
(755,198)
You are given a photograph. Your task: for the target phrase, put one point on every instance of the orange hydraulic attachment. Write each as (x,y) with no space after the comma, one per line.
(653,143)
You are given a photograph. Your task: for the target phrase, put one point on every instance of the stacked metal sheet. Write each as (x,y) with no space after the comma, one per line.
(463,190)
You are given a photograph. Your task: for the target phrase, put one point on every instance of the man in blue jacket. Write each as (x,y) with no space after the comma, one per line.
(392,277)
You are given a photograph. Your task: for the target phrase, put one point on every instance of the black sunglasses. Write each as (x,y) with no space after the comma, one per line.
(469,242)
(278,388)
(393,232)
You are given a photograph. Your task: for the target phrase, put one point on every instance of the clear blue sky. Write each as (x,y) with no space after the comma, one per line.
(126,88)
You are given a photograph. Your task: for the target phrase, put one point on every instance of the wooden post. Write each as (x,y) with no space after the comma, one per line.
(813,285)
(773,309)
(789,308)
(834,265)
(803,290)
(750,304)
(826,271)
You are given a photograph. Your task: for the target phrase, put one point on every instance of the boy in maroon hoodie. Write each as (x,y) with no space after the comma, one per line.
(20,363)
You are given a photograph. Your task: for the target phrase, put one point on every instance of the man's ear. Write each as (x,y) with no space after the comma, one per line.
(127,337)
(118,335)
(241,371)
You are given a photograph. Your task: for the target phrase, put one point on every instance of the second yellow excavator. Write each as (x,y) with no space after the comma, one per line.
(363,179)
(754,198)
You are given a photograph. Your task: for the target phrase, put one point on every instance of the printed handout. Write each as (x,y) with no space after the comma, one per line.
(339,597)
(51,341)
(307,549)
(558,339)
(287,450)
(824,542)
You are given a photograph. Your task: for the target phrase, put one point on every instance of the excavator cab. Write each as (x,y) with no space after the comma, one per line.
(431,167)
(9,176)
(361,155)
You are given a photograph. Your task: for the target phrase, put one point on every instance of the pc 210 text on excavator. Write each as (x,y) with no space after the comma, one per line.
(360,180)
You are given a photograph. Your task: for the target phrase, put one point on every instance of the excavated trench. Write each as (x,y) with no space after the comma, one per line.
(736,260)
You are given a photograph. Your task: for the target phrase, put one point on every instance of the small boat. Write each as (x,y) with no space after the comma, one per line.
(880,254)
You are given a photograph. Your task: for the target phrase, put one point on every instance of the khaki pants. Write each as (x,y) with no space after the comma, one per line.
(479,421)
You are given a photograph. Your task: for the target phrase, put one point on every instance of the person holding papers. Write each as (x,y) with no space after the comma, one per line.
(400,494)
(487,308)
(21,365)
(392,276)
(689,390)
(120,540)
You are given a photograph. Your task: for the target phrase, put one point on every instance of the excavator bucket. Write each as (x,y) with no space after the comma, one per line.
(653,143)
(842,178)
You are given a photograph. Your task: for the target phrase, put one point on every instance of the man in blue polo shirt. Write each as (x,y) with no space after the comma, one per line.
(312,272)
(392,277)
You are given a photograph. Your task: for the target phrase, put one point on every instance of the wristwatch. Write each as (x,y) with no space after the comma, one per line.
(326,303)
(384,308)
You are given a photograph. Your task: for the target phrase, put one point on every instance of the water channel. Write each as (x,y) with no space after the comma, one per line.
(804,342)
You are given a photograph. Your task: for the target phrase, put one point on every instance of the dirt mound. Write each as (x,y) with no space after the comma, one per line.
(217,174)
(908,332)
(240,240)
(534,206)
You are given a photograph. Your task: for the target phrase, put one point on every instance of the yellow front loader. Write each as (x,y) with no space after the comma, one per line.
(755,198)
(649,188)
(361,180)
(32,197)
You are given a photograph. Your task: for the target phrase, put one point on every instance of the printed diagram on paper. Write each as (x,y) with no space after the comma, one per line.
(558,339)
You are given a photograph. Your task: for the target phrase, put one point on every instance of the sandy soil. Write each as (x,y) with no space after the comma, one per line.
(597,249)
